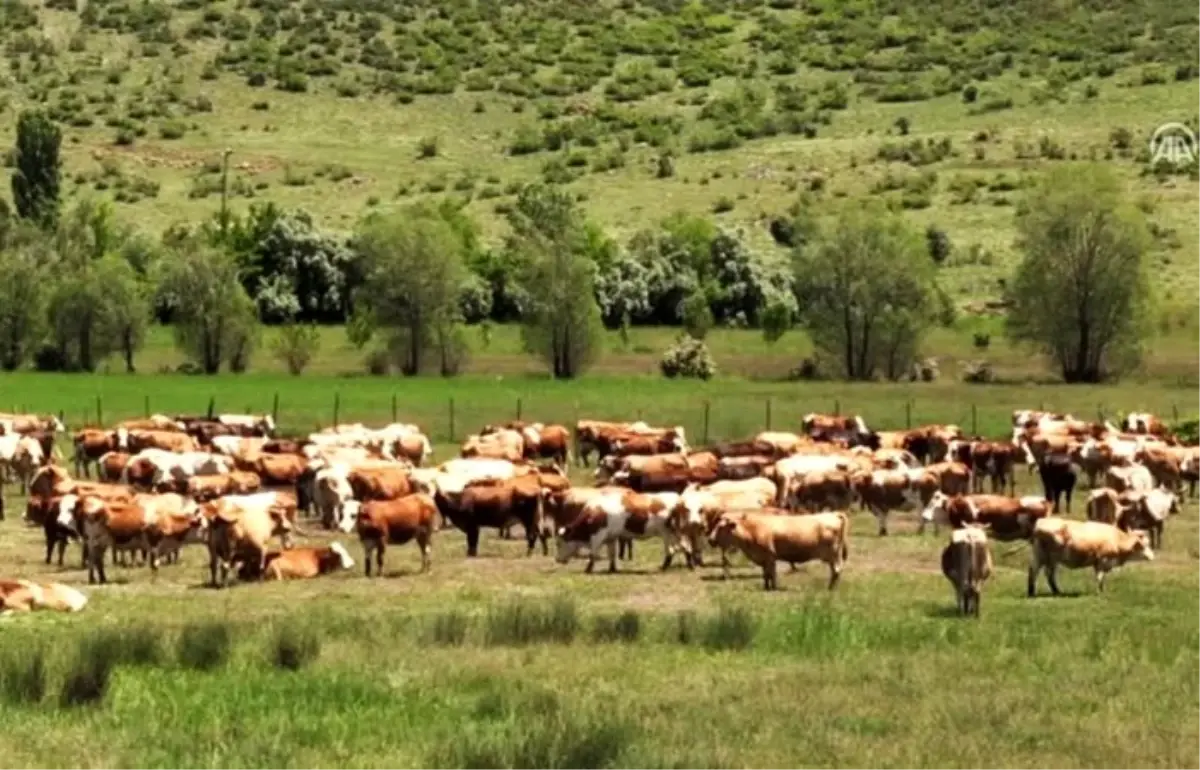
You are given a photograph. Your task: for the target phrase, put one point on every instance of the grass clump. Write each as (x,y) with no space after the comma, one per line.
(525,621)
(204,646)
(293,647)
(23,675)
(626,627)
(449,628)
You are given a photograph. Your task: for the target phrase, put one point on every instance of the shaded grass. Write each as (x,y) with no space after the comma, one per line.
(294,647)
(23,675)
(524,621)
(204,646)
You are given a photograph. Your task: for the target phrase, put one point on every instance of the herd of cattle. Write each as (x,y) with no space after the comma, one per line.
(145,488)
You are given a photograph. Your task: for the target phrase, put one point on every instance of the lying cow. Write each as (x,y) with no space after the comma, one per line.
(27,595)
(767,539)
(1076,544)
(239,527)
(967,563)
(303,563)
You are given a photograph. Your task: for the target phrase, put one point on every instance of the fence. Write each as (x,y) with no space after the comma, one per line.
(704,419)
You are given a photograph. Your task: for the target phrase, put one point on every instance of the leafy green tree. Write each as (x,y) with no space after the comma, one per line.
(414,278)
(697,317)
(866,293)
(555,250)
(1081,293)
(22,304)
(37,172)
(215,321)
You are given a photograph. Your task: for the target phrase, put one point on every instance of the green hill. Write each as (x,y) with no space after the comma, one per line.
(728,107)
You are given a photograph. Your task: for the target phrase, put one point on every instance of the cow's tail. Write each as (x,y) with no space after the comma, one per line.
(844,535)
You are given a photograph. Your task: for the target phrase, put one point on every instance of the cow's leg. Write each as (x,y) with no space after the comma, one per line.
(1031,584)
(472,531)
(380,548)
(881,516)
(612,555)
(770,574)
(1052,577)
(368,550)
(423,542)
(531,536)
(98,560)
(1101,573)
(212,569)
(835,571)
(62,550)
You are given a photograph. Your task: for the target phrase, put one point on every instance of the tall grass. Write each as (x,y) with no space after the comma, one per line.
(294,646)
(204,646)
(525,621)
(23,674)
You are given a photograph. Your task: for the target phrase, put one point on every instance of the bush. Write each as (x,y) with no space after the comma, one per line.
(296,346)
(809,369)
(925,370)
(51,358)
(204,646)
(697,316)
(938,243)
(688,357)
(293,648)
(978,372)
(529,621)
(1187,431)
(981,340)
(378,362)
(172,129)
(428,147)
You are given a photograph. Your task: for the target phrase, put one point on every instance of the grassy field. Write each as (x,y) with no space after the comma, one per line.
(339,107)
(505,661)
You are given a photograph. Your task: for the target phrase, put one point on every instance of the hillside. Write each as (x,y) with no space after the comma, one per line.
(730,107)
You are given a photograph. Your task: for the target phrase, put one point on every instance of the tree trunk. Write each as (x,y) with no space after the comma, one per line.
(127,349)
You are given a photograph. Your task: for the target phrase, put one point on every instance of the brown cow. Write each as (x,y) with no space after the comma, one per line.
(135,441)
(491,503)
(303,563)
(1074,544)
(205,488)
(375,483)
(882,492)
(821,491)
(391,522)
(137,525)
(767,539)
(239,527)
(279,470)
(111,466)
(90,446)
(666,473)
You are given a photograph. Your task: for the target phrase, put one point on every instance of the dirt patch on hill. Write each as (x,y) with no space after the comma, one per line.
(184,159)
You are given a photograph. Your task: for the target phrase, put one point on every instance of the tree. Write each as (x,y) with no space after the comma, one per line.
(776,320)
(414,278)
(553,244)
(296,345)
(37,168)
(214,319)
(865,291)
(21,305)
(697,317)
(1081,293)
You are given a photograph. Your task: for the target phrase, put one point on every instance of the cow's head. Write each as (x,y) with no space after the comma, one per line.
(56,425)
(566,548)
(267,425)
(346,516)
(725,530)
(342,554)
(1139,548)
(65,516)
(121,438)
(937,511)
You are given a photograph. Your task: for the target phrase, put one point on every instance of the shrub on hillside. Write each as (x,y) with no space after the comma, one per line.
(978,372)
(296,346)
(687,358)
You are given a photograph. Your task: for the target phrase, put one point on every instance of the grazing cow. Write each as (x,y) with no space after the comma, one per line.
(1165,465)
(550,442)
(1105,504)
(304,563)
(767,538)
(27,595)
(154,422)
(967,563)
(239,527)
(22,455)
(633,444)
(608,519)
(825,424)
(1005,518)
(953,478)
(283,446)
(381,523)
(564,506)
(209,487)
(738,468)
(1148,511)
(699,508)
(249,424)
(373,483)
(1058,480)
(995,460)
(91,445)
(662,473)
(1075,544)
(791,471)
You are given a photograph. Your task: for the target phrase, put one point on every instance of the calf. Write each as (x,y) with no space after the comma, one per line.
(381,523)
(1074,544)
(967,563)
(90,445)
(766,539)
(1129,478)
(303,563)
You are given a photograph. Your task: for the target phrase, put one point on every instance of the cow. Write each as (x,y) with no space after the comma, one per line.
(111,466)
(746,467)
(239,527)
(1105,504)
(1058,480)
(29,423)
(662,473)
(1144,423)
(43,511)
(278,470)
(376,483)
(995,461)
(209,487)
(699,508)
(826,424)
(767,538)
(1165,465)
(169,441)
(820,491)
(145,524)
(608,519)
(1132,478)
(551,442)
(154,422)
(882,492)
(381,523)
(1148,511)
(331,491)
(501,445)
(967,563)
(790,471)
(1075,544)
(1005,518)
(28,595)
(249,424)
(492,504)
(21,454)
(91,445)
(304,563)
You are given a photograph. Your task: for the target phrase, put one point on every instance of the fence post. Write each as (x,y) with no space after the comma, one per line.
(1100,412)
(768,412)
(974,420)
(275,408)
(706,408)
(146,404)
(62,417)
(908,414)
(337,405)
(451,418)
(394,407)
(99,410)
(212,406)
(518,408)
(837,408)
(1174,413)
(85,418)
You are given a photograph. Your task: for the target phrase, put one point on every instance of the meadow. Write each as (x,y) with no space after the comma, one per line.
(507,661)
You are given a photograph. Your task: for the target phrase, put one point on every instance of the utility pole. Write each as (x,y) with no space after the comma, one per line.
(225,190)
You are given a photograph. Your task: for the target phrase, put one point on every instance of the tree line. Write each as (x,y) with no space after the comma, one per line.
(858,278)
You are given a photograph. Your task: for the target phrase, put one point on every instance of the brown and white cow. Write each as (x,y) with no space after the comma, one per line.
(1005,518)
(91,445)
(967,564)
(767,539)
(1148,511)
(1145,423)
(305,563)
(608,519)
(28,595)
(501,445)
(1075,544)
